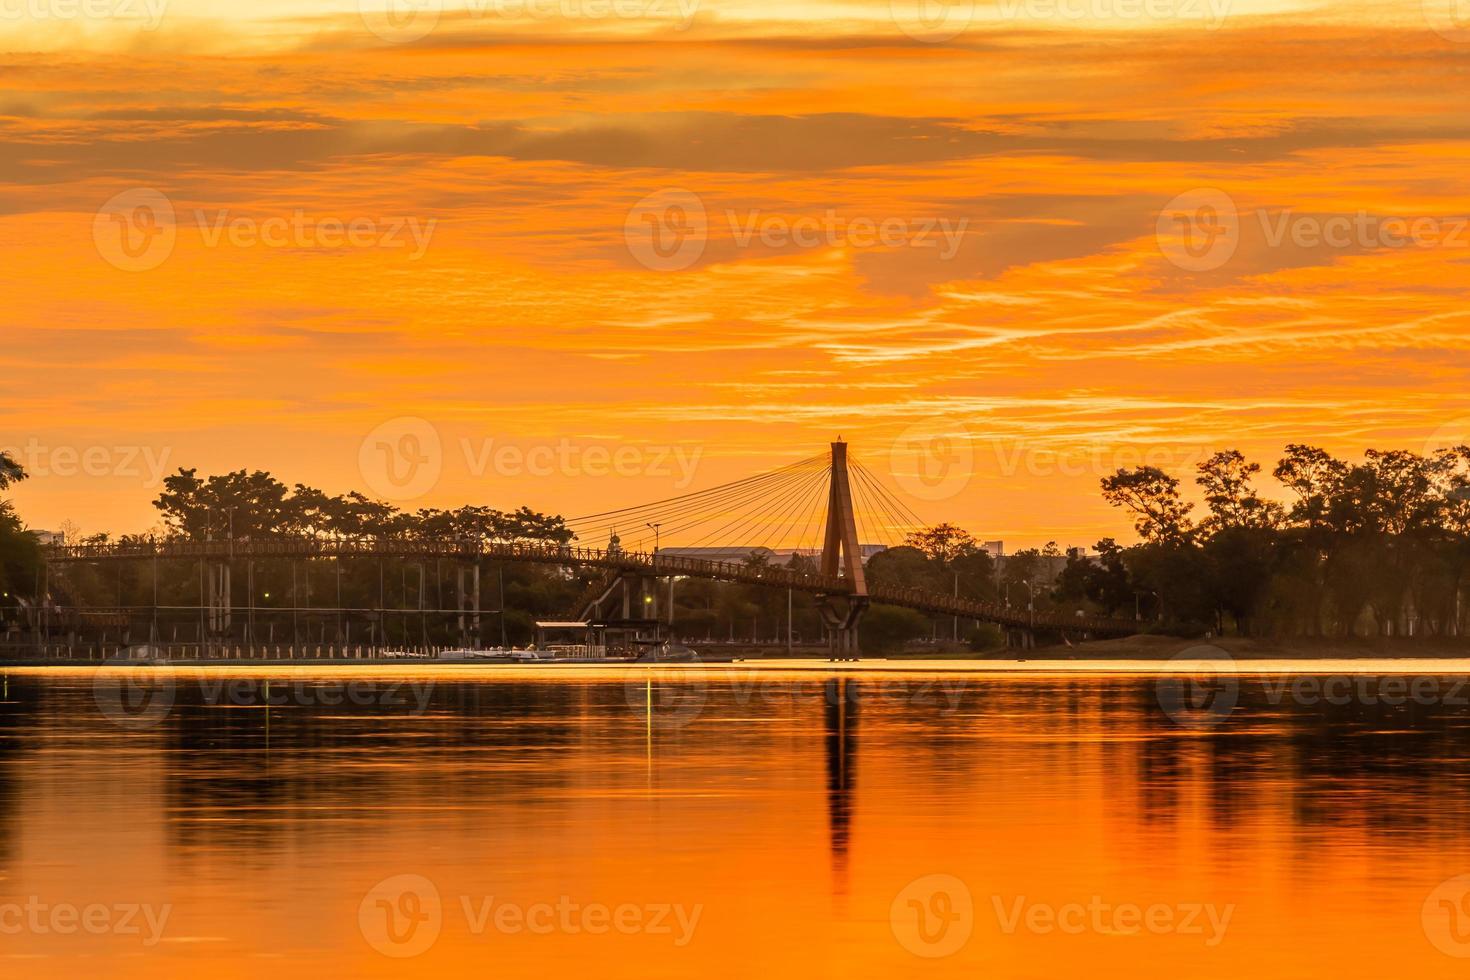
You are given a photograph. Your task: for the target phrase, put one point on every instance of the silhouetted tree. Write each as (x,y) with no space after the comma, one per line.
(1160,516)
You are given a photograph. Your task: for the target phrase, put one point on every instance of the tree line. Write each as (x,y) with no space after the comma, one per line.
(247,505)
(1379,546)
(20,552)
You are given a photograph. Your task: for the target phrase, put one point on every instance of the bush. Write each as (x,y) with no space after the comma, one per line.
(986,636)
(885,629)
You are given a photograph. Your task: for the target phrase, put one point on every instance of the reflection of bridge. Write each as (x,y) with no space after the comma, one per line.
(771,503)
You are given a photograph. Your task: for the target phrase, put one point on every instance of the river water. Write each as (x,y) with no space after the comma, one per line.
(549,823)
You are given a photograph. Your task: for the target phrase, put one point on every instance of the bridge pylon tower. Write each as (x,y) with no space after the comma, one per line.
(842,556)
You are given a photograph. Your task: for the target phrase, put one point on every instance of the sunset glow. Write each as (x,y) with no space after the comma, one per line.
(910,229)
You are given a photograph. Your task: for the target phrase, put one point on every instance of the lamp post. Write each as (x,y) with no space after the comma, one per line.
(655,527)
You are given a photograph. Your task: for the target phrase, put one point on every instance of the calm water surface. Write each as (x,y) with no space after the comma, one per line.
(623,824)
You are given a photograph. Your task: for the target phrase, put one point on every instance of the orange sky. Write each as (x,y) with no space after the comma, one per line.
(992,252)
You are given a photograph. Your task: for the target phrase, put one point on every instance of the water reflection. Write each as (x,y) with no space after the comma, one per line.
(265,814)
(842,698)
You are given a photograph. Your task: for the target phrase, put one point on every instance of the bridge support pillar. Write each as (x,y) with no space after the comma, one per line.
(421,607)
(840,617)
(219,592)
(467,588)
(626,613)
(1020,639)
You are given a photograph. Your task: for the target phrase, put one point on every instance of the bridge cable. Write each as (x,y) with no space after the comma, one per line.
(733,511)
(687,496)
(906,513)
(677,522)
(719,500)
(741,523)
(716,502)
(894,522)
(863,505)
(786,524)
(817,524)
(894,499)
(738,503)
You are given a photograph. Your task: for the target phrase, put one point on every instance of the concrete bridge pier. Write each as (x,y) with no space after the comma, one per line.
(421,607)
(467,590)
(842,644)
(1020,639)
(641,626)
(220,608)
(626,609)
(840,617)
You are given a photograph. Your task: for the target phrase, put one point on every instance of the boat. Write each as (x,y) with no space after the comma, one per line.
(533,656)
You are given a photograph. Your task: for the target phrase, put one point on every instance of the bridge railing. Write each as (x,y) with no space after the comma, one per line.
(333,547)
(943,604)
(463,549)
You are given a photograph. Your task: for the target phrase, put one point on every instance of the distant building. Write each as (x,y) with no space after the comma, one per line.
(49,538)
(776,556)
(784,555)
(734,553)
(997,549)
(1048,568)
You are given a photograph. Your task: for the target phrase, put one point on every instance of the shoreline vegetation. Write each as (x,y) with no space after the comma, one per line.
(1357,554)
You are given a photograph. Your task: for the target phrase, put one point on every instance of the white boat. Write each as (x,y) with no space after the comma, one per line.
(403,655)
(493,653)
(532,656)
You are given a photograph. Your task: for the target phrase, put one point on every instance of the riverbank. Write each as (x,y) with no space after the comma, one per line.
(1145,654)
(1205,661)
(1260,648)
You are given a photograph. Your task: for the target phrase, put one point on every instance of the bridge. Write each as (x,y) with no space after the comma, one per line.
(771,503)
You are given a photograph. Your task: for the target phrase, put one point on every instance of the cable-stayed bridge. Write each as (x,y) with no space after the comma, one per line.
(821,505)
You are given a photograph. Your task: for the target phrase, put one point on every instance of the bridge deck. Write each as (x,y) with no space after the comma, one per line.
(643,563)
